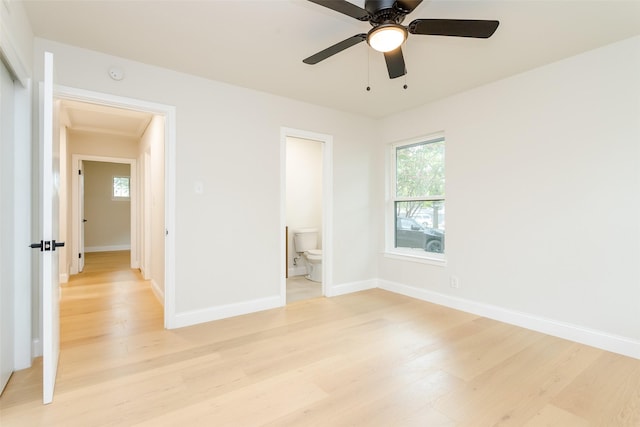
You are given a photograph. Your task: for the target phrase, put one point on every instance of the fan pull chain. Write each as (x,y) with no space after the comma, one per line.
(368,69)
(405,68)
(405,81)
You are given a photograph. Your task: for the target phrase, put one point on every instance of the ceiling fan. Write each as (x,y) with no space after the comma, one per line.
(388,34)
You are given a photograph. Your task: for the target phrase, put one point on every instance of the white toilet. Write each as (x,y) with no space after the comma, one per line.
(305,241)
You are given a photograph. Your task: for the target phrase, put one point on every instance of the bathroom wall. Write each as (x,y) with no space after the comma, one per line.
(304,193)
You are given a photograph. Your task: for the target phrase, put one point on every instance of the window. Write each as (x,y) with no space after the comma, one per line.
(417,198)
(121,188)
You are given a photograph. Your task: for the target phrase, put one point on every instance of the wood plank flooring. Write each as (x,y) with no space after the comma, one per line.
(371,358)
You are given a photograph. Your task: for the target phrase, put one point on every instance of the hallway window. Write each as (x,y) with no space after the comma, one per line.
(417,219)
(121,189)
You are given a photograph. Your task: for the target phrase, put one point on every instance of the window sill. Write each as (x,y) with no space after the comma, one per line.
(440,262)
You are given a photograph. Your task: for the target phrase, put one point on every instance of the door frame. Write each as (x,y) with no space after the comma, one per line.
(76,221)
(327,207)
(145,261)
(169,113)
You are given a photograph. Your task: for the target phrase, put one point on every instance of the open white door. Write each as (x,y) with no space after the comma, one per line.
(82,219)
(49,280)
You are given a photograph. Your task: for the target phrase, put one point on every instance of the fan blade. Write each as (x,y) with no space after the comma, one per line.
(344,7)
(406,6)
(336,48)
(454,27)
(395,63)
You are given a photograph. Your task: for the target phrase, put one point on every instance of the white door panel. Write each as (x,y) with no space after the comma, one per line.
(49,279)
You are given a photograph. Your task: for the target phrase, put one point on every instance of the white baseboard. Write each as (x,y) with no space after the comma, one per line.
(159,293)
(602,340)
(299,270)
(145,274)
(107,248)
(64,278)
(347,288)
(230,310)
(223,311)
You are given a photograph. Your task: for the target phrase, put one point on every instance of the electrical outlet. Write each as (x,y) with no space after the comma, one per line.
(454,282)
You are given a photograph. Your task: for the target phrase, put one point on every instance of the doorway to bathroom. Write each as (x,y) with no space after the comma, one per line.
(306,214)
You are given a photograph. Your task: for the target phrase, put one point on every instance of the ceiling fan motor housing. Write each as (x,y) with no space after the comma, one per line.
(384,12)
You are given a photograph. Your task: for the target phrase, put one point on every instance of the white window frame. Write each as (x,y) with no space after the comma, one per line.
(408,254)
(113,189)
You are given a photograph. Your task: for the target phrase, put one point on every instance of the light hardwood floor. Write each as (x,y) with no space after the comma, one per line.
(371,358)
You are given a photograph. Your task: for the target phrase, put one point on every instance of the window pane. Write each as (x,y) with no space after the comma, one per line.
(420,169)
(121,186)
(420,225)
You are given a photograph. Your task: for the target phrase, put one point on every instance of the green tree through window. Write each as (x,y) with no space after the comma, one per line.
(121,187)
(419,195)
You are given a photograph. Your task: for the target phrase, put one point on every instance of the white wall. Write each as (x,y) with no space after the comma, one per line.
(108,224)
(104,145)
(543,193)
(7,221)
(304,192)
(228,139)
(16,39)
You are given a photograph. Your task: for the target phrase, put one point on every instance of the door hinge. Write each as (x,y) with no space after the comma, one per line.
(80,256)
(79,171)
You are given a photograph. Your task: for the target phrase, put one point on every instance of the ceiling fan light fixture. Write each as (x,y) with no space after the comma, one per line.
(387,37)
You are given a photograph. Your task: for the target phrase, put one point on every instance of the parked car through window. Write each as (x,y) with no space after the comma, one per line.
(418,201)
(411,234)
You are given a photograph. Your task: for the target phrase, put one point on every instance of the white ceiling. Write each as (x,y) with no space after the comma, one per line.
(86,117)
(260,44)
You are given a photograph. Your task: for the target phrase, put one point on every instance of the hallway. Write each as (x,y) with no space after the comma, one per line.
(103,312)
(107,299)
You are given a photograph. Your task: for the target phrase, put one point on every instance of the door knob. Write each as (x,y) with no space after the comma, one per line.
(46,245)
(37,246)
